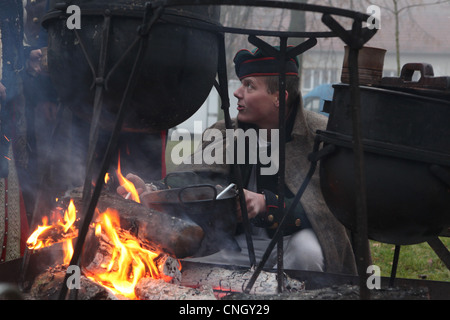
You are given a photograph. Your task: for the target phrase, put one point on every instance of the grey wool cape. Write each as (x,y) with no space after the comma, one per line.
(333,236)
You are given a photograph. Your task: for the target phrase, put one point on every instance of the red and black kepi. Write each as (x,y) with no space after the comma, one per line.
(258,63)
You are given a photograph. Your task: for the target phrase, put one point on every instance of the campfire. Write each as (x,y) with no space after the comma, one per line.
(128,260)
(122,261)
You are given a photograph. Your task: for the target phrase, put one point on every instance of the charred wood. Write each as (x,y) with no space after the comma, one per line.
(49,283)
(161,231)
(56,234)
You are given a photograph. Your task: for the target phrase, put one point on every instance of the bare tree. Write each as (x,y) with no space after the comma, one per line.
(237,17)
(397,8)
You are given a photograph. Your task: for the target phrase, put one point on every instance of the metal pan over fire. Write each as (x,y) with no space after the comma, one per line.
(199,203)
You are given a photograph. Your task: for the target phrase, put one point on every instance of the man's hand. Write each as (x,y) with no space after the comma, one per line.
(139,184)
(256,204)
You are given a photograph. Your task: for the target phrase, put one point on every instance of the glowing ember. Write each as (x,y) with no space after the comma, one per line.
(129,261)
(128,185)
(61,230)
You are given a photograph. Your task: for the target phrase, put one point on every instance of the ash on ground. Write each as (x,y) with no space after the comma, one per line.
(341,292)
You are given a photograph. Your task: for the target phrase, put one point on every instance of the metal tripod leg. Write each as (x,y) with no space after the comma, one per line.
(149,19)
(222,88)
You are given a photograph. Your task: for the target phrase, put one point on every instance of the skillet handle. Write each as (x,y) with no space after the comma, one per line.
(191,175)
(198,186)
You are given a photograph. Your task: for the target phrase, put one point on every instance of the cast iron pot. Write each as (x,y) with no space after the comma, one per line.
(217,217)
(178,71)
(407,164)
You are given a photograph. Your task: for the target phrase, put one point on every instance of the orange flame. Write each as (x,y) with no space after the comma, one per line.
(127,184)
(107,178)
(129,263)
(70,215)
(33,241)
(68,251)
(62,230)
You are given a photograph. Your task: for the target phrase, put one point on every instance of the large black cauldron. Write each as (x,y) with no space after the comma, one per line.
(407,163)
(178,71)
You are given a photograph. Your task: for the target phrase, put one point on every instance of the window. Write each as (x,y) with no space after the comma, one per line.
(312,78)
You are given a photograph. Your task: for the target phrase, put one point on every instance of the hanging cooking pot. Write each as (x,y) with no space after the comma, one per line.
(177,73)
(199,203)
(407,162)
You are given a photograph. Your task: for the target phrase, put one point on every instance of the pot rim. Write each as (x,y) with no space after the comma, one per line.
(396,92)
(127,11)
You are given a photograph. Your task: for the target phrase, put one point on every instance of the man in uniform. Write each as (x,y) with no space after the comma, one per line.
(314,239)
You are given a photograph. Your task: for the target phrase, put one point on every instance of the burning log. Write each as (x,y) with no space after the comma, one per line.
(117,259)
(48,285)
(54,234)
(63,229)
(99,282)
(126,242)
(159,231)
(100,253)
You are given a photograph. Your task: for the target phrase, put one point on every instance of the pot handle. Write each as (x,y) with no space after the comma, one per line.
(425,69)
(180,193)
(427,79)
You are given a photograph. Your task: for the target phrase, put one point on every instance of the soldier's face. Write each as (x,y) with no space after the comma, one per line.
(256,105)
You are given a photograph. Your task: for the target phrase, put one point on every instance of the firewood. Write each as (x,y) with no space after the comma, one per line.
(99,255)
(48,284)
(55,234)
(169,267)
(161,231)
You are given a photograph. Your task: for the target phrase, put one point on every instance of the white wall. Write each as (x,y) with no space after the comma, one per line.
(208,112)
